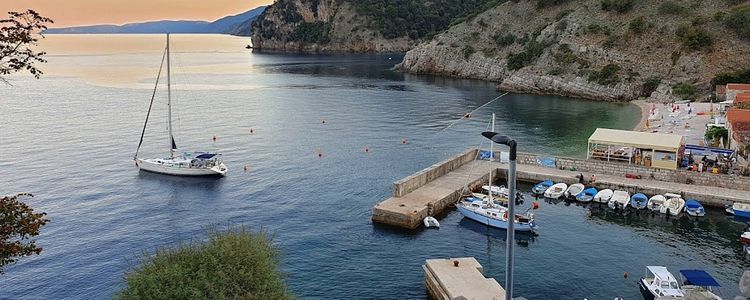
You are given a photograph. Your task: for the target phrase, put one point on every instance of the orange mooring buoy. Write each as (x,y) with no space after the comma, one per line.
(245,168)
(367,149)
(323,122)
(214,138)
(467,115)
(403,141)
(252,130)
(625,275)
(320,154)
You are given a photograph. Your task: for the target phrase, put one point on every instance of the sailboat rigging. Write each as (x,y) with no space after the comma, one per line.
(187,163)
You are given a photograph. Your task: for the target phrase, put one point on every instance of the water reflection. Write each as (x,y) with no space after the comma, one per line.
(523,239)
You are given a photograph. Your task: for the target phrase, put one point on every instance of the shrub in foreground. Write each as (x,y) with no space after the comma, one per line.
(234,264)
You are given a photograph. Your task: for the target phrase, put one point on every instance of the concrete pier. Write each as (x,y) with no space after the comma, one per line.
(434,189)
(446,280)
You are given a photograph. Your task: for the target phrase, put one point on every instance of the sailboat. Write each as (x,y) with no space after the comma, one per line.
(486,211)
(185,163)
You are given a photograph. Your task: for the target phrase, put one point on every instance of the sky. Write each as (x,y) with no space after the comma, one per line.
(67,13)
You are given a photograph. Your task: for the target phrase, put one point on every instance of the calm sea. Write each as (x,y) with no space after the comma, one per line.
(70,138)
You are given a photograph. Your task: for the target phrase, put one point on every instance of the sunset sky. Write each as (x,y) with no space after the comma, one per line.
(88,12)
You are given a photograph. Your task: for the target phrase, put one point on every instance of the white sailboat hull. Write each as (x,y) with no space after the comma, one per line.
(150,166)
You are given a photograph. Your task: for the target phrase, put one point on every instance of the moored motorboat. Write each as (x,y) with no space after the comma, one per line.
(658,282)
(430,221)
(638,201)
(587,195)
(574,190)
(620,200)
(500,191)
(556,190)
(698,284)
(740,209)
(603,196)
(656,202)
(694,208)
(541,187)
(745,237)
(673,206)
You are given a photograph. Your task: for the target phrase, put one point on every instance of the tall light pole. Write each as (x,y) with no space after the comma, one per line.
(505,140)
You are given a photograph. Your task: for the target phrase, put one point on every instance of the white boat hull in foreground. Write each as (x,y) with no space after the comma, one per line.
(164,166)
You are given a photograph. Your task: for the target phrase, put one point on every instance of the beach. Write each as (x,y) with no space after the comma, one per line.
(688,120)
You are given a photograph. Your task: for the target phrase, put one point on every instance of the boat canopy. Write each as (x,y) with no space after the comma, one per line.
(206,156)
(547,183)
(636,139)
(661,273)
(590,191)
(698,278)
(700,150)
(640,196)
(692,204)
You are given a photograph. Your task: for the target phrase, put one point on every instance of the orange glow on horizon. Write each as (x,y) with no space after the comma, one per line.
(68,13)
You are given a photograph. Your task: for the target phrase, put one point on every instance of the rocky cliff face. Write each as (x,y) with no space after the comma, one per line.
(578,49)
(320,26)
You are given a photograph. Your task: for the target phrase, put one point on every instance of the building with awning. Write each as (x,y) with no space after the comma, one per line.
(656,150)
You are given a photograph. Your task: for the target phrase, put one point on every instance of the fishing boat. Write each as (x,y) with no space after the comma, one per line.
(740,209)
(700,284)
(658,282)
(639,201)
(674,204)
(541,187)
(656,202)
(574,190)
(694,208)
(185,163)
(430,221)
(485,211)
(619,200)
(556,190)
(603,196)
(587,195)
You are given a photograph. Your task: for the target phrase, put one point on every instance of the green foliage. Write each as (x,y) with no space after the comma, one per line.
(564,56)
(530,53)
(675,56)
(596,29)
(19,34)
(608,75)
(468,51)
(19,225)
(234,264)
(561,25)
(694,38)
(418,18)
(671,8)
(288,10)
(545,3)
(716,134)
(638,25)
(650,86)
(741,76)
(312,32)
(504,40)
(685,91)
(739,21)
(620,6)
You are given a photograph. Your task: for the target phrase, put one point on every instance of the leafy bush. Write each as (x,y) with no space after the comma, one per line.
(638,25)
(608,75)
(685,91)
(235,264)
(742,76)
(694,38)
(504,40)
(531,52)
(671,8)
(545,3)
(596,28)
(468,51)
(564,56)
(739,21)
(312,32)
(650,86)
(620,6)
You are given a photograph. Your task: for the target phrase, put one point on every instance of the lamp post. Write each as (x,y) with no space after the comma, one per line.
(505,140)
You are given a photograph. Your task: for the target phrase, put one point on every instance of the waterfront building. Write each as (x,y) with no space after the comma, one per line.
(657,150)
(738,125)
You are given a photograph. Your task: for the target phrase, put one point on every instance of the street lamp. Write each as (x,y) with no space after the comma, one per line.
(505,140)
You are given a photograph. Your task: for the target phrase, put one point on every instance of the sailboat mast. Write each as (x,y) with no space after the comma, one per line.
(491,155)
(169,101)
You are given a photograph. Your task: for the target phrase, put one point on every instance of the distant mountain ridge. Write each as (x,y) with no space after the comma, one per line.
(234,25)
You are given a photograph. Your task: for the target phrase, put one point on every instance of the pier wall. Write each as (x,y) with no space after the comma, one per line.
(427,175)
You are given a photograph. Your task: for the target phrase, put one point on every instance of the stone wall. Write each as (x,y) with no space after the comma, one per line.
(413,182)
(620,169)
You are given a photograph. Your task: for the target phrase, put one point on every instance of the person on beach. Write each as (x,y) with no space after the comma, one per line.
(593,178)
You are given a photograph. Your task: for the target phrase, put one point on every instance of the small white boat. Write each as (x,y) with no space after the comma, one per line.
(619,200)
(493,215)
(430,221)
(673,205)
(556,190)
(496,190)
(656,202)
(603,196)
(739,209)
(658,283)
(574,190)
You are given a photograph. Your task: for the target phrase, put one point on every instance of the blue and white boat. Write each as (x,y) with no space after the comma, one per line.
(659,283)
(587,195)
(694,208)
(698,284)
(493,215)
(638,201)
(740,209)
(542,187)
